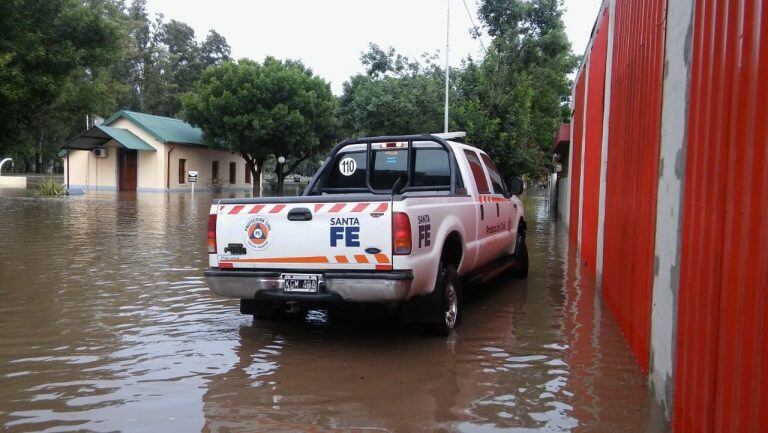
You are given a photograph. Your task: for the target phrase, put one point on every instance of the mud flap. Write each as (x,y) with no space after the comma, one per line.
(424,309)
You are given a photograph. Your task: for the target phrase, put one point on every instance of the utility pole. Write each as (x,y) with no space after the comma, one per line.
(447,65)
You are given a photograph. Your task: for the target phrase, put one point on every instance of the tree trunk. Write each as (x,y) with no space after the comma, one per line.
(256,181)
(280,174)
(255,166)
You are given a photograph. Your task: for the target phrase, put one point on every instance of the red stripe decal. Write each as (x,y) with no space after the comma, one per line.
(342,259)
(383,267)
(277,208)
(360,207)
(382,207)
(225,265)
(382,258)
(256,208)
(318,207)
(236,209)
(361,258)
(337,207)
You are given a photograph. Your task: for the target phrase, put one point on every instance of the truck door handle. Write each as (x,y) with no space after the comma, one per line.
(482,212)
(299,214)
(497,210)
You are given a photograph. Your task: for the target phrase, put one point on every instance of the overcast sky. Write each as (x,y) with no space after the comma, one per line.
(329,35)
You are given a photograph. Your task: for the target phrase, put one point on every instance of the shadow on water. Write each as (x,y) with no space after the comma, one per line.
(106,324)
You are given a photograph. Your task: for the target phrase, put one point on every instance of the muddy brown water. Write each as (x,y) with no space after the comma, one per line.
(106,324)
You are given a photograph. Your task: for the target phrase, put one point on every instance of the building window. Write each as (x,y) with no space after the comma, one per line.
(247,174)
(215,169)
(232,172)
(182,171)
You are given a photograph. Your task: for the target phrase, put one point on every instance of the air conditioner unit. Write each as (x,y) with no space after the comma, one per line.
(100,152)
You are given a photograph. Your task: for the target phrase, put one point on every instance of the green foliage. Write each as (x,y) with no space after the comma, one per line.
(527,85)
(511,102)
(396,95)
(50,187)
(273,108)
(48,50)
(61,60)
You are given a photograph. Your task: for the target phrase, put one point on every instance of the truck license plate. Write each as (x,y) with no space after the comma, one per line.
(304,283)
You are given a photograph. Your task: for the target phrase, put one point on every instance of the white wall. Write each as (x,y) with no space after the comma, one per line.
(89,172)
(674,121)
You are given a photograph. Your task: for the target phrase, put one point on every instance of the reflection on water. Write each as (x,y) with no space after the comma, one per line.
(106,324)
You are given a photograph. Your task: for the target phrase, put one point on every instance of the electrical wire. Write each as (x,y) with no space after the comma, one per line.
(475,28)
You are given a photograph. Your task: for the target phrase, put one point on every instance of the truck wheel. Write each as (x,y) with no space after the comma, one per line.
(520,268)
(448,300)
(264,310)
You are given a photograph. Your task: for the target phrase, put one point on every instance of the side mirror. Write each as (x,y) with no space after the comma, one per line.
(516,186)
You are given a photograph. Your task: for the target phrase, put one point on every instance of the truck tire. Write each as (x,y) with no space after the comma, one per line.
(448,300)
(263,310)
(520,268)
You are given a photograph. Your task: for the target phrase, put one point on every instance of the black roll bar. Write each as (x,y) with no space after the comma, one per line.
(368,141)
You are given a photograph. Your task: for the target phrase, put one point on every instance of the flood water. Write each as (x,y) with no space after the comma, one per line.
(106,324)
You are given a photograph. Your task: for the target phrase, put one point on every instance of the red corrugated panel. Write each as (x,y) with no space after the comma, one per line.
(632,171)
(721,379)
(593,143)
(575,168)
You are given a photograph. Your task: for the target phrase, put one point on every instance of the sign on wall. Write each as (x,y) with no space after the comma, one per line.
(191,176)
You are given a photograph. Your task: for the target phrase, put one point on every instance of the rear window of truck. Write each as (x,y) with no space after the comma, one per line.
(431,169)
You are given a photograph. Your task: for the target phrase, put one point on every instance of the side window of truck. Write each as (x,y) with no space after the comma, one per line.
(477,172)
(496,181)
(431,168)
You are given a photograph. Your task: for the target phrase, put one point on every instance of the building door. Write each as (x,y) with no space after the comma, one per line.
(127,167)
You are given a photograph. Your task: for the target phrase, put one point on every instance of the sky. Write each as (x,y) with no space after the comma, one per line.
(329,35)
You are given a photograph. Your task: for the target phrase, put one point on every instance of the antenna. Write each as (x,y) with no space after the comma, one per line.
(447,65)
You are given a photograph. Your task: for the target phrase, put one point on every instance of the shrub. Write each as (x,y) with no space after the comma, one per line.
(50,187)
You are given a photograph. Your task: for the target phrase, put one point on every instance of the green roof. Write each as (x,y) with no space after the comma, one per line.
(126,138)
(166,129)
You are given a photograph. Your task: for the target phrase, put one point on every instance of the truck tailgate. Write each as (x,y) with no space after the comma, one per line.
(322,236)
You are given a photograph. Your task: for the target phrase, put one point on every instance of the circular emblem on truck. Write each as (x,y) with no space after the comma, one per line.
(257,233)
(347,166)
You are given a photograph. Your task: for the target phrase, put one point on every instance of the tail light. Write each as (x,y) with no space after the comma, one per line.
(212,234)
(401,234)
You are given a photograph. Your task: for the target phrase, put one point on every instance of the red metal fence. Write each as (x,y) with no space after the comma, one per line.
(721,372)
(632,170)
(593,143)
(575,167)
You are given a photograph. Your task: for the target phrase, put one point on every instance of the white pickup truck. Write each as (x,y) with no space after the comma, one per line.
(402,220)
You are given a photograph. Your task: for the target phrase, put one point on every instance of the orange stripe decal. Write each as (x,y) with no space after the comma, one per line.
(382,258)
(337,207)
(342,259)
(360,207)
(256,208)
(312,259)
(277,208)
(382,207)
(361,258)
(236,209)
(383,267)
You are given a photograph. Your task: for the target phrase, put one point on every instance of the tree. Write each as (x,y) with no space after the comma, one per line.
(525,84)
(260,109)
(510,102)
(396,95)
(46,50)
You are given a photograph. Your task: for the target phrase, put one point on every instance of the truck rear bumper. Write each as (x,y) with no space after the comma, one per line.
(349,286)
